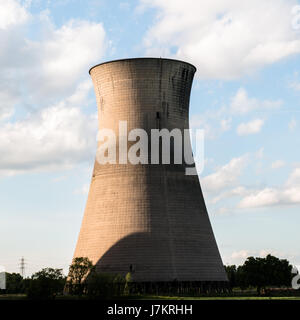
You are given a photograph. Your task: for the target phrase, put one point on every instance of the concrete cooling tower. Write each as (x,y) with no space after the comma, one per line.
(147,219)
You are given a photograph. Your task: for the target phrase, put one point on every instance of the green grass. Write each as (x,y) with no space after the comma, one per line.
(12,296)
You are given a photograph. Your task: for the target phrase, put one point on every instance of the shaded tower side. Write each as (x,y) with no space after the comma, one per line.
(148,219)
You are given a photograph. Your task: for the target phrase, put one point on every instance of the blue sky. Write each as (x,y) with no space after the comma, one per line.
(245,96)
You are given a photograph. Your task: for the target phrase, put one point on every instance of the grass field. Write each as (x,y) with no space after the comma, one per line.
(12,296)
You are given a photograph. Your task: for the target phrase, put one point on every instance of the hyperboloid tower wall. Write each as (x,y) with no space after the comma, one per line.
(147,219)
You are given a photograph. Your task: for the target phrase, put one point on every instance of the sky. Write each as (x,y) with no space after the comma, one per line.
(245,96)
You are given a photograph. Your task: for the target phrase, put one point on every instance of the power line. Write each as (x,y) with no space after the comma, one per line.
(22,267)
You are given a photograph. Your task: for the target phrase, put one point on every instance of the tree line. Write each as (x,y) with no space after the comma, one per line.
(84,281)
(260,273)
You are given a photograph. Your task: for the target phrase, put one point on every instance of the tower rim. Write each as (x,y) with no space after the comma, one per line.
(140,58)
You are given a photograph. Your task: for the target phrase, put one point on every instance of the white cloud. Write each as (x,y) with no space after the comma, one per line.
(226,124)
(237,257)
(261,198)
(225,176)
(237,191)
(241,103)
(224,184)
(277,164)
(294,178)
(213,121)
(45,69)
(202,121)
(217,121)
(295,85)
(80,96)
(292,124)
(288,194)
(57,136)
(11,14)
(290,255)
(8,100)
(251,127)
(70,50)
(240,256)
(64,56)
(47,76)
(224,39)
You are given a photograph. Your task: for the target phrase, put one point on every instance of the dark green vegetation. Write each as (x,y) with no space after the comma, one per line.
(85,282)
(260,273)
(257,278)
(46,284)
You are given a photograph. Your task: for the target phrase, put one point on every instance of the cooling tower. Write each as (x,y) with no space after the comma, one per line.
(147,219)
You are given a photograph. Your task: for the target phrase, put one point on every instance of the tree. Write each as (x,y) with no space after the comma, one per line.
(78,271)
(268,271)
(260,273)
(241,278)
(255,275)
(231,274)
(104,285)
(128,279)
(14,283)
(279,271)
(46,284)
